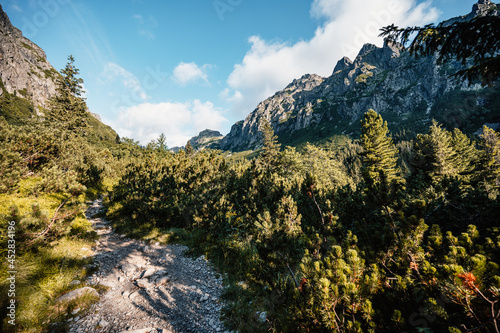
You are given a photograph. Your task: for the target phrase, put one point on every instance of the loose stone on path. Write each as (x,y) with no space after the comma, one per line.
(152,288)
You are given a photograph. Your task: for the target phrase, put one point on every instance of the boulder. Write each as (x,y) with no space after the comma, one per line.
(77,293)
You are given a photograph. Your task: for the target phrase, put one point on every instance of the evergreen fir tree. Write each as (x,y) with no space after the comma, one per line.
(68,109)
(490,158)
(271,148)
(189,148)
(466,154)
(69,80)
(434,153)
(161,142)
(380,170)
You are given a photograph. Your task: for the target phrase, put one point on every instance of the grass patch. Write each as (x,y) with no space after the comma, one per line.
(51,73)
(44,275)
(44,272)
(16,110)
(28,46)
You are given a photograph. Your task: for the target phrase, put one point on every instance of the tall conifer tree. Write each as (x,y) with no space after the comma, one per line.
(491,157)
(434,153)
(271,148)
(68,109)
(380,154)
(380,171)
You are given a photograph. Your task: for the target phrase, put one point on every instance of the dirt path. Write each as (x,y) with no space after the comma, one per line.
(153,288)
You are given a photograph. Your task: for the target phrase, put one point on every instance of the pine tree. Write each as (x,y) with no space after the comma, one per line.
(159,145)
(161,142)
(189,149)
(434,153)
(380,172)
(68,109)
(69,81)
(271,148)
(466,154)
(379,155)
(490,157)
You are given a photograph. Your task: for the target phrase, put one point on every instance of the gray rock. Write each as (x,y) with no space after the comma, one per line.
(129,269)
(133,295)
(149,272)
(143,283)
(77,293)
(143,330)
(262,316)
(162,280)
(109,284)
(24,68)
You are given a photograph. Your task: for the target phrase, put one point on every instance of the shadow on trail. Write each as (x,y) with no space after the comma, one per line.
(185,302)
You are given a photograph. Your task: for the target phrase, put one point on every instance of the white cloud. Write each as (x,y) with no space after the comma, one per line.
(190,72)
(144,25)
(138,18)
(15,7)
(133,88)
(178,121)
(232,97)
(269,66)
(147,33)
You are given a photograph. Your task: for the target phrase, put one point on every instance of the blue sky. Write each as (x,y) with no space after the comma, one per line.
(179,67)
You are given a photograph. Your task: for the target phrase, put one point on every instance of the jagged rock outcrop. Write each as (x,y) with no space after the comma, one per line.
(380,78)
(478,9)
(24,69)
(386,79)
(206,139)
(277,109)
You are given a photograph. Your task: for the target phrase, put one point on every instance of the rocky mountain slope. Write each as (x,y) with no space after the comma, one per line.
(408,91)
(24,69)
(206,139)
(28,81)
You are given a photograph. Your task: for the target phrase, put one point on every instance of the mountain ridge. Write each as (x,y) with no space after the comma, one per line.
(409,91)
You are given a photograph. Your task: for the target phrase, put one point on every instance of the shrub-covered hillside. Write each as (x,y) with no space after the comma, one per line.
(50,167)
(377,235)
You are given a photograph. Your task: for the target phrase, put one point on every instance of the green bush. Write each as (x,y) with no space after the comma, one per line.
(338,239)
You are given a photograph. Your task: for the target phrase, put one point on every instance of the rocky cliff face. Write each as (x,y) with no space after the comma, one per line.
(206,139)
(479,9)
(24,69)
(386,79)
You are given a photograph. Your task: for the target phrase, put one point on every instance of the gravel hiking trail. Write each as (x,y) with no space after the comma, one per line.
(152,288)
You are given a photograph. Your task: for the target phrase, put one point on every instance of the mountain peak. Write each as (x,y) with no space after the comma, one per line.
(484,2)
(306,82)
(366,49)
(481,8)
(6,26)
(206,139)
(342,64)
(24,69)
(392,82)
